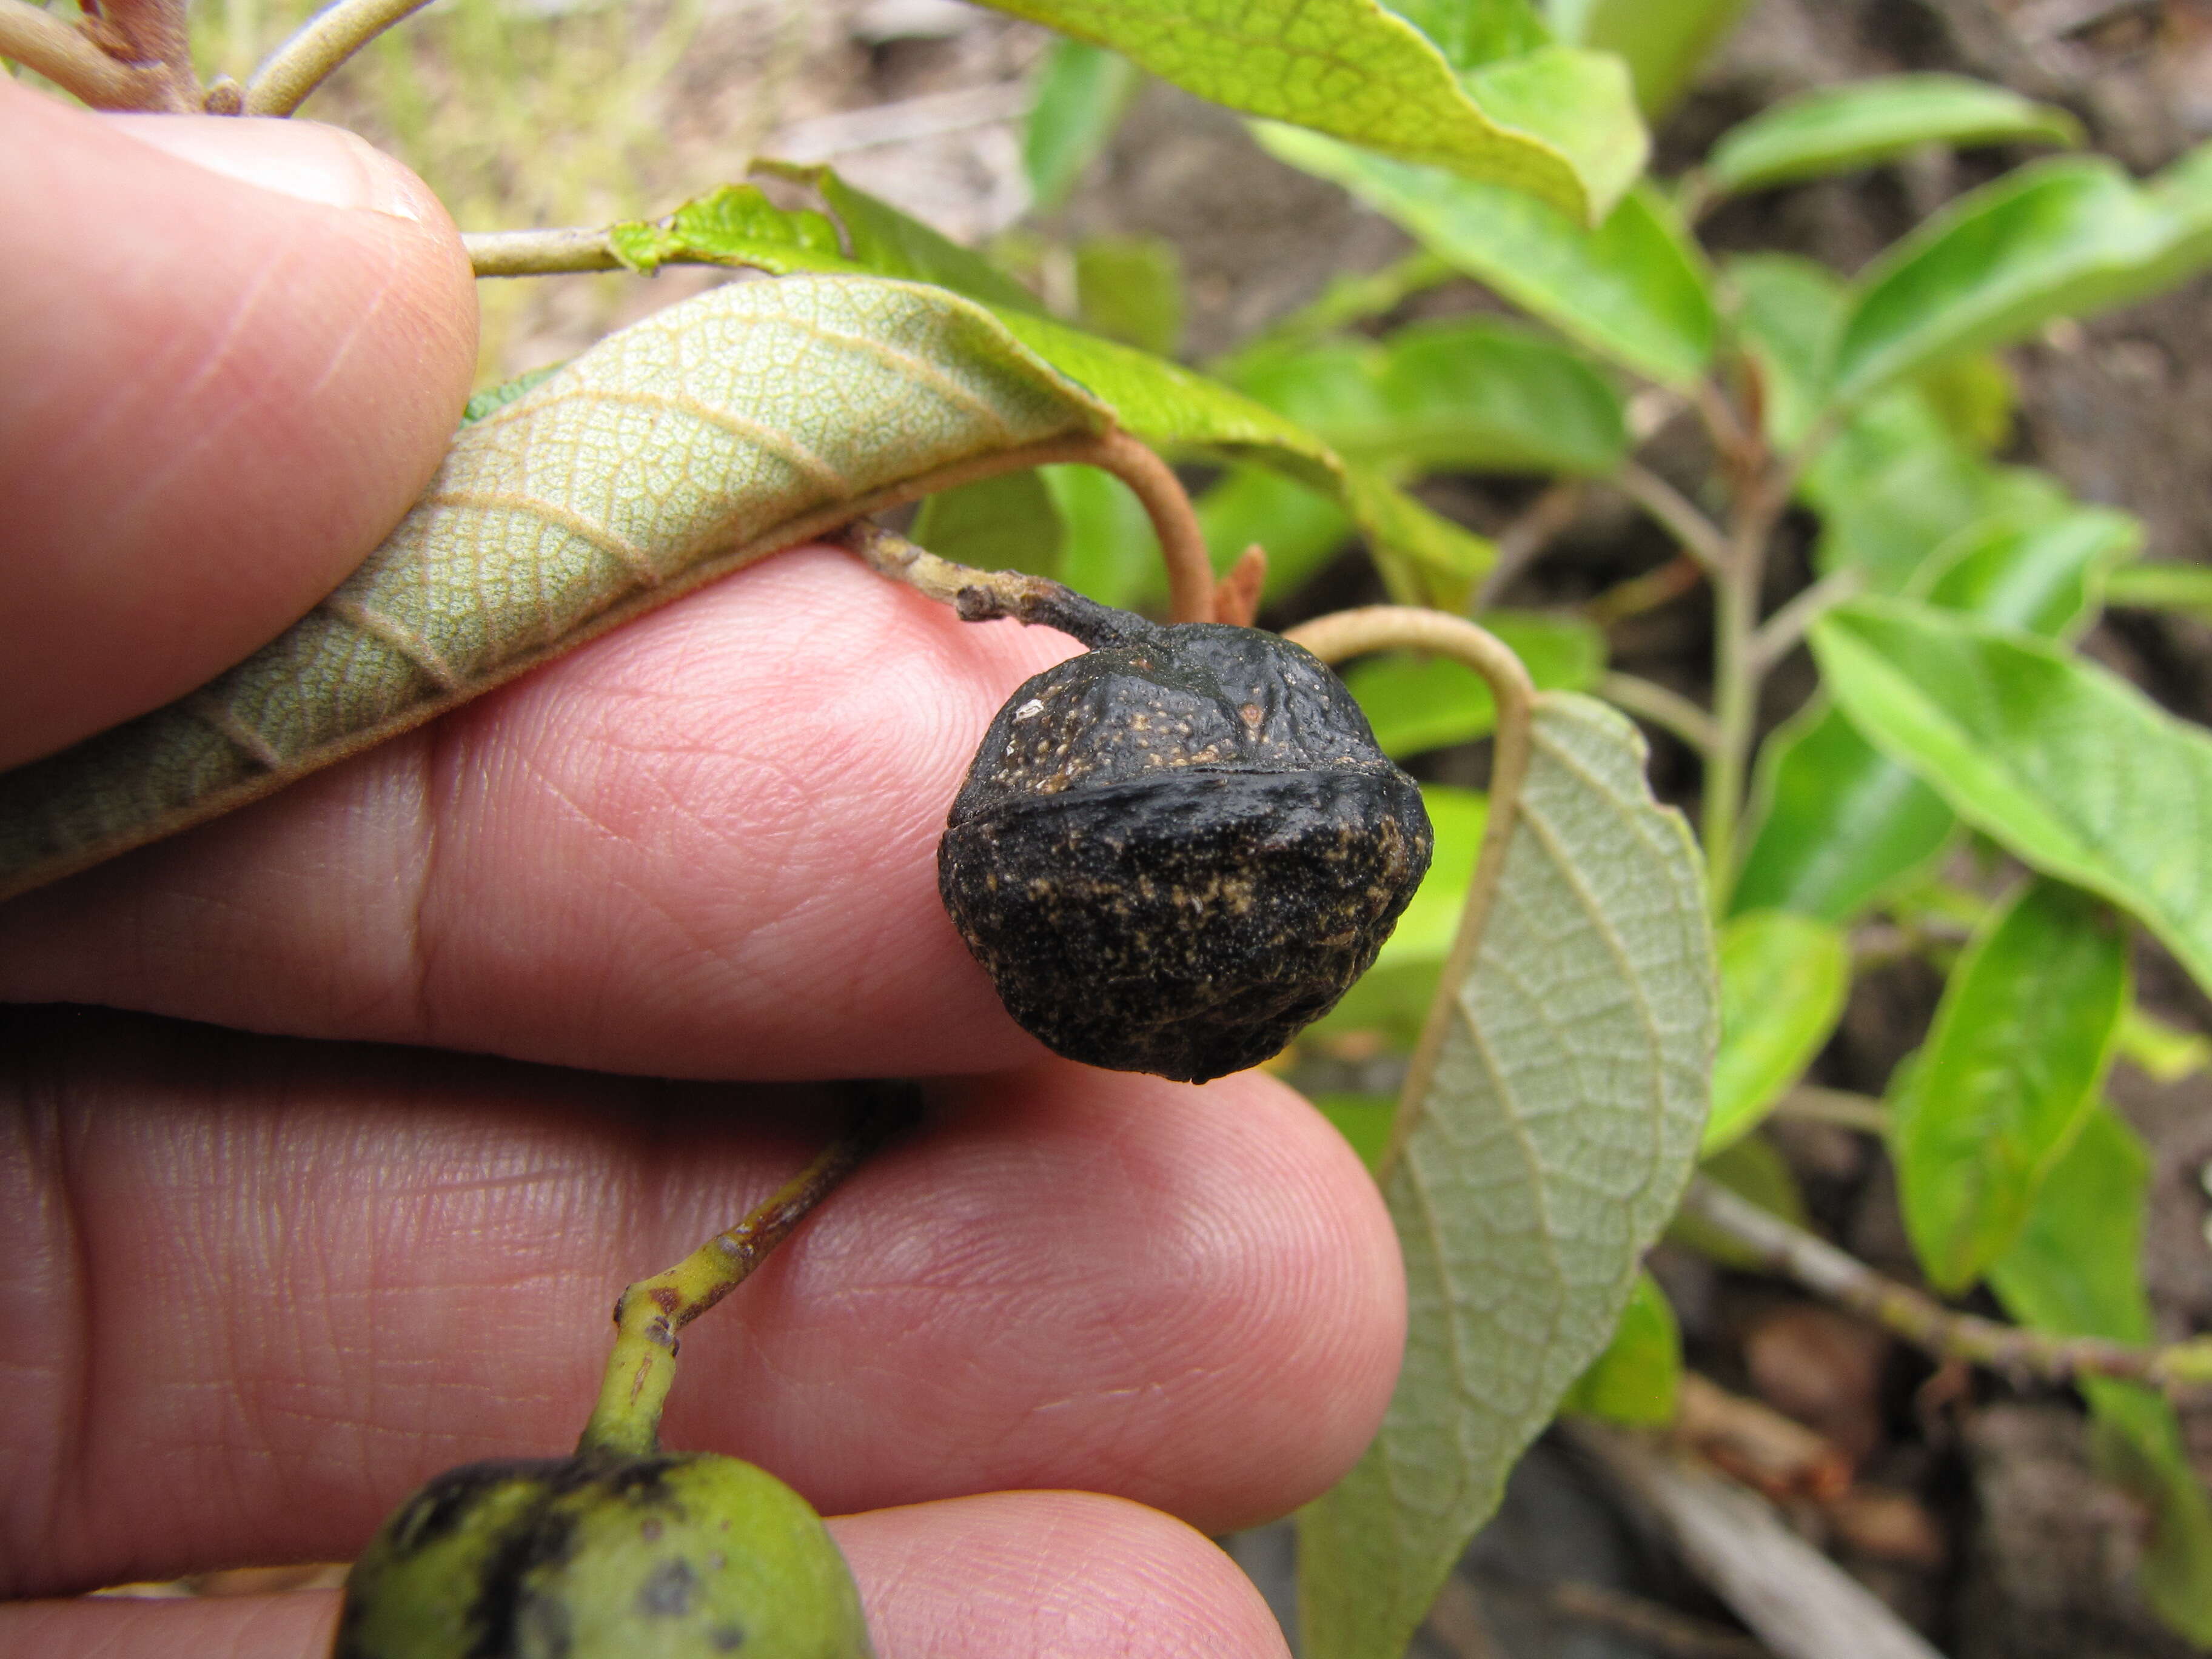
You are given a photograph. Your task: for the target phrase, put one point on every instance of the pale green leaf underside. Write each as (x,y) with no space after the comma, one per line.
(1349,68)
(1863,122)
(710,432)
(1562,1123)
(2069,767)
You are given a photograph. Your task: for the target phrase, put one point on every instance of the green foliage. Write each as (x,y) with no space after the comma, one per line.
(2008,1074)
(1664,45)
(2073,771)
(1352,68)
(1130,289)
(1635,1380)
(1081,94)
(1632,290)
(1582,1028)
(1784,982)
(1836,129)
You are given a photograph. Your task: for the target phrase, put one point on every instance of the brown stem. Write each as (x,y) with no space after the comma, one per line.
(988,595)
(1819,1267)
(72,60)
(1529,535)
(1182,543)
(1693,533)
(152,34)
(1648,592)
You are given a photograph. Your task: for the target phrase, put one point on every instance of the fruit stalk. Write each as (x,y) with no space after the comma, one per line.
(648,1315)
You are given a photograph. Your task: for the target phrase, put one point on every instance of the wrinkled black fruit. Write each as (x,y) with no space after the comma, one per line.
(1176,850)
(597,1556)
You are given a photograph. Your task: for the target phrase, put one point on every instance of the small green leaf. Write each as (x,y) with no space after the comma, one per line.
(1635,1380)
(1007,523)
(2163,1053)
(2056,240)
(2186,588)
(1300,528)
(1839,823)
(1632,290)
(1352,68)
(499,397)
(2067,767)
(1548,1148)
(1837,129)
(2077,1270)
(1784,982)
(2013,1067)
(1130,289)
(1974,398)
(1472,396)
(1081,94)
(1665,45)
(1418,703)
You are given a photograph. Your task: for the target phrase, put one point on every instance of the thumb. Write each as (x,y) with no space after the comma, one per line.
(235,362)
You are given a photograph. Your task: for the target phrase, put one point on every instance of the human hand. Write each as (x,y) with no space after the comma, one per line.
(261,1281)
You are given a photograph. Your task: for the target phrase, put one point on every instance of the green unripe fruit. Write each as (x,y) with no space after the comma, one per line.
(672,1557)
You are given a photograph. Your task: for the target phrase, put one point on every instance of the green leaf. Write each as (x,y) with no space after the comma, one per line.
(1424,558)
(1130,289)
(2067,767)
(1363,1120)
(1352,68)
(2041,574)
(1417,703)
(1837,129)
(1632,290)
(1007,523)
(1784,982)
(1635,1380)
(2163,1053)
(1974,398)
(2019,1048)
(891,243)
(1472,33)
(1548,1148)
(2076,1271)
(1081,94)
(711,434)
(737,225)
(2060,239)
(494,399)
(1475,396)
(1790,312)
(1839,823)
(2186,588)
(1301,529)
(1665,45)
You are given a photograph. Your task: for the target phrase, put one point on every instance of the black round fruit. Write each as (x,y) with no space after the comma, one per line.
(1176,850)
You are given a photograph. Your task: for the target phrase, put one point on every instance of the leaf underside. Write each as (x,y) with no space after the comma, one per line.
(1559,1128)
(711,433)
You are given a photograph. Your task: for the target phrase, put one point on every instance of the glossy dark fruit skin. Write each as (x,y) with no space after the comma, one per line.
(1173,851)
(667,1557)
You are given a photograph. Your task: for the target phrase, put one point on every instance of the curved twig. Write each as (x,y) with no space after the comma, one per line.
(1389,627)
(1671,710)
(311,56)
(1921,1320)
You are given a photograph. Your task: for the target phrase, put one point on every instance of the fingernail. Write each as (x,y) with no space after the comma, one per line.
(304,160)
